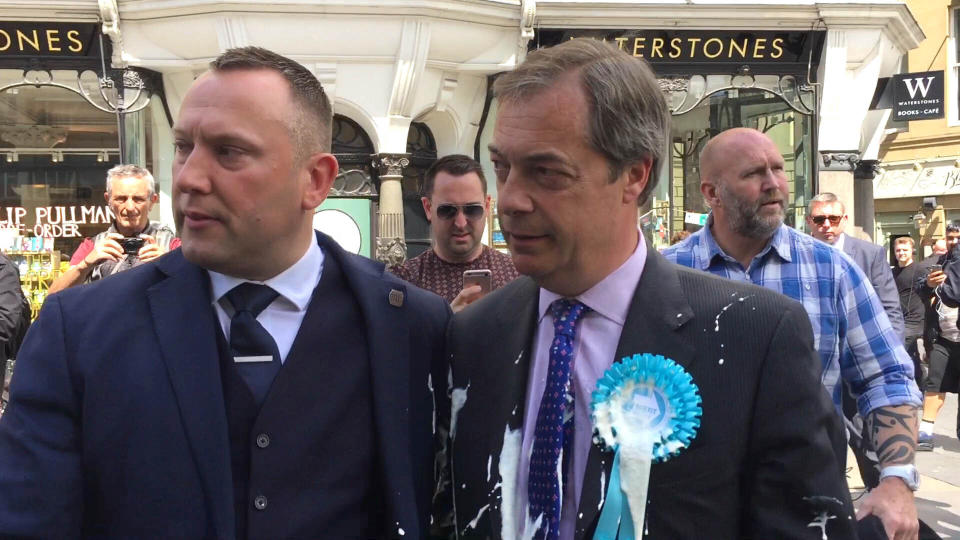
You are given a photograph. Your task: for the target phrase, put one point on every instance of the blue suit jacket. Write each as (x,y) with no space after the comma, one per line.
(116,424)
(872,259)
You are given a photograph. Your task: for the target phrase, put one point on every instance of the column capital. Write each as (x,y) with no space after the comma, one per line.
(391,164)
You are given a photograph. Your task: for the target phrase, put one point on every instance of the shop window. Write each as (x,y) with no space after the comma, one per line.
(351,145)
(422,148)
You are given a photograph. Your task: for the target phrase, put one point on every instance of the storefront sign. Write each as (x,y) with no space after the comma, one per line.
(694,218)
(46,39)
(918,96)
(54,221)
(674,47)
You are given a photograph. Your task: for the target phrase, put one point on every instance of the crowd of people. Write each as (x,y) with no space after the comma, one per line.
(261,382)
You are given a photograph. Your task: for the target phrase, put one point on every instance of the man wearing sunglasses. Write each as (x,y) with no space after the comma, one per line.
(456,203)
(827,219)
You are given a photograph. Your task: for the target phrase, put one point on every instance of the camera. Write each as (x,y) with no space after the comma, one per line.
(131,246)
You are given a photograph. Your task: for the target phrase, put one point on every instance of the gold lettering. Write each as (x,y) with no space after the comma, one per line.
(620,41)
(758,46)
(693,45)
(638,44)
(53,38)
(21,37)
(655,50)
(675,48)
(742,48)
(778,45)
(5,36)
(72,36)
(719,48)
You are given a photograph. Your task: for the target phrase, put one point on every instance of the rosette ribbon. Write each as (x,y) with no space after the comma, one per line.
(646,409)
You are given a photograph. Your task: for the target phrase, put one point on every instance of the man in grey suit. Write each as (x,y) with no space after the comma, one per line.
(827,218)
(580,132)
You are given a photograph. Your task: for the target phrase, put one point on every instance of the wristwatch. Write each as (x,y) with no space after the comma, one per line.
(907,473)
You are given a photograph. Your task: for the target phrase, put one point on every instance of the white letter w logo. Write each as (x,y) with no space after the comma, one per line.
(918,85)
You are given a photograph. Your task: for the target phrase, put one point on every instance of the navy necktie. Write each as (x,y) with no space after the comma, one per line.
(554,429)
(253,349)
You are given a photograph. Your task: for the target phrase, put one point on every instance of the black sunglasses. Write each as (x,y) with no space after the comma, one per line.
(818,220)
(470,211)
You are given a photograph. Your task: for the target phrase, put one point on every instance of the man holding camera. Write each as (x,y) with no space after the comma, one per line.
(131,240)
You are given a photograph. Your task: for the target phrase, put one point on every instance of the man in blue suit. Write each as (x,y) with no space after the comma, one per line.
(260,382)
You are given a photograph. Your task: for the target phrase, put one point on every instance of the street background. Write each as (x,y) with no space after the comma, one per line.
(938,500)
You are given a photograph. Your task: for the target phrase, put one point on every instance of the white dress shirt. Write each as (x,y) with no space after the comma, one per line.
(282,318)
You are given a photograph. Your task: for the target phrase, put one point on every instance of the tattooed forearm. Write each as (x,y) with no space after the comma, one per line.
(893,433)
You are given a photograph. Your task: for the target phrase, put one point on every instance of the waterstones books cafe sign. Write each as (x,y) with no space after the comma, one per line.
(918,96)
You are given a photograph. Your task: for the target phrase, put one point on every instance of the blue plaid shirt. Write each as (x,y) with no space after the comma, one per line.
(850,329)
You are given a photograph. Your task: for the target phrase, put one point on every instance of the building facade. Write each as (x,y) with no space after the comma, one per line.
(917,190)
(409,81)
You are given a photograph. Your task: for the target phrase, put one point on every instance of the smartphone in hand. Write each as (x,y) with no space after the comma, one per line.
(484,278)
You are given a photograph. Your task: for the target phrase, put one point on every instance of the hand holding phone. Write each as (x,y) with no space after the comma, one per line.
(471,278)
(483,278)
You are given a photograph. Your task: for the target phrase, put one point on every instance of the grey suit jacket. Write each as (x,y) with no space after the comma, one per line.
(872,259)
(769,437)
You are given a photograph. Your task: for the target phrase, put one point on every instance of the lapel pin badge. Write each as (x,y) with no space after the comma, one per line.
(396,297)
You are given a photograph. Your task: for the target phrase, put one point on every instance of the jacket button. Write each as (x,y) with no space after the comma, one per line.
(260,502)
(263,440)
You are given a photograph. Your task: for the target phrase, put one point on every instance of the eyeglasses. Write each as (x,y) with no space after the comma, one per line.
(818,220)
(470,211)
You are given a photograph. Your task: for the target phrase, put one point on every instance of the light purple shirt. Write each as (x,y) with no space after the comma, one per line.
(598,334)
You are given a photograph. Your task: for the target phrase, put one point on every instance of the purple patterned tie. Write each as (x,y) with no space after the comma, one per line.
(554,429)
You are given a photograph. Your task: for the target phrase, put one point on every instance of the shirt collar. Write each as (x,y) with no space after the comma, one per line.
(611,297)
(288,284)
(779,244)
(839,243)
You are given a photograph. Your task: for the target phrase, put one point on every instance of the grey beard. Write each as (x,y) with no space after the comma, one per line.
(753,226)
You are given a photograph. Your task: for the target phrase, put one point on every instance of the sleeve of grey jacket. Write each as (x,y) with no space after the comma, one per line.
(797,442)
(881,277)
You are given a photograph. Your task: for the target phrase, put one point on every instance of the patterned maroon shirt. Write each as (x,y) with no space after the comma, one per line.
(430,272)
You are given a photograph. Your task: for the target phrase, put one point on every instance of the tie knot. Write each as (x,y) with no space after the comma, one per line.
(566,312)
(251,297)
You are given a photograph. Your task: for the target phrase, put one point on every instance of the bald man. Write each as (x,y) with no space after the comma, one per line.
(743,180)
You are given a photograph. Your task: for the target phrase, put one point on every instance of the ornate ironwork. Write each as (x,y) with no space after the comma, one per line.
(130,80)
(685,94)
(353,183)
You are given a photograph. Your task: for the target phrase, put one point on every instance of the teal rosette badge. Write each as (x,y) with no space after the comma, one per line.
(646,409)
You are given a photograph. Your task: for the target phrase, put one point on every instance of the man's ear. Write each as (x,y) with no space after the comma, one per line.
(106,196)
(638,176)
(427,206)
(321,170)
(709,191)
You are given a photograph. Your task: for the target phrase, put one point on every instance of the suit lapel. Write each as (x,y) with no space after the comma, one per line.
(387,331)
(191,358)
(517,318)
(657,311)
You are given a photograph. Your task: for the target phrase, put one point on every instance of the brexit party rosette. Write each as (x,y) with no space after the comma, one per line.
(646,409)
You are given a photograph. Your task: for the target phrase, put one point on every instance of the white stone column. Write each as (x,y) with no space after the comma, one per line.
(391,246)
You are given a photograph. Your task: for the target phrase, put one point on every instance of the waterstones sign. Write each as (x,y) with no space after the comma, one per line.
(701,46)
(918,96)
(20,39)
